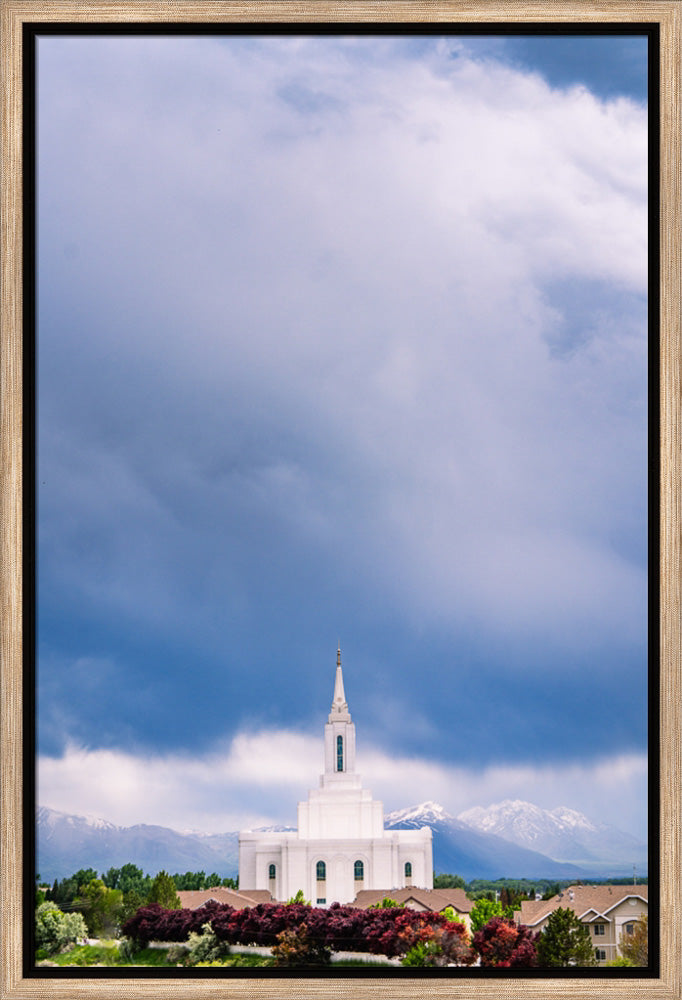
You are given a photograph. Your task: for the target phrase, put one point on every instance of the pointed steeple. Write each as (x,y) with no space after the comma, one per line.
(339,710)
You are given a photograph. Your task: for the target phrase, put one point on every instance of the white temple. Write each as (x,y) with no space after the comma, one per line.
(340,846)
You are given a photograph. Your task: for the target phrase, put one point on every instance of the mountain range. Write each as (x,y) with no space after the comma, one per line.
(561,833)
(512,839)
(518,839)
(68,843)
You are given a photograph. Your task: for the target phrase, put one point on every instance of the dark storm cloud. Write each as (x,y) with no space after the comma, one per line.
(337,345)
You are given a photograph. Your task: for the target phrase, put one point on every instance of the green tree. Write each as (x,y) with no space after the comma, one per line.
(384,904)
(200,880)
(635,947)
(84,875)
(64,892)
(448,882)
(163,892)
(230,883)
(101,907)
(484,910)
(131,903)
(565,941)
(56,931)
(112,878)
(128,878)
(510,900)
(190,881)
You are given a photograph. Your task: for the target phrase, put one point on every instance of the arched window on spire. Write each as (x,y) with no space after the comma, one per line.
(339,753)
(408,873)
(272,871)
(358,871)
(321,871)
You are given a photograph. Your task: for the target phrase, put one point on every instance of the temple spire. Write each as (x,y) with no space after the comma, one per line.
(339,703)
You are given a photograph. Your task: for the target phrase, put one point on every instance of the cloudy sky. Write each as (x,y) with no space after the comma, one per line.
(341,338)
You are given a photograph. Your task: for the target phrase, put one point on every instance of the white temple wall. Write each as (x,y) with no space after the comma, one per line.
(295,861)
(339,816)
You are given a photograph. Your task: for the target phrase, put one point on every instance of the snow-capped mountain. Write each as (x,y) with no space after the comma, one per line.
(426,814)
(461,850)
(561,833)
(51,821)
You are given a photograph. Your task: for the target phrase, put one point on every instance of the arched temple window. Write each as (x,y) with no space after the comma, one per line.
(321,871)
(339,753)
(272,871)
(408,869)
(359,871)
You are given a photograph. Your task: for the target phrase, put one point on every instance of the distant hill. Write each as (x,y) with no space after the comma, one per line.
(67,843)
(511,839)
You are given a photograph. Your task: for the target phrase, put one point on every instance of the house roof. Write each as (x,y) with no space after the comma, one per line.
(589,902)
(432,899)
(192,899)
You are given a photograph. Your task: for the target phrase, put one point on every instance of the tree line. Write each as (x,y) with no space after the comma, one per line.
(107,901)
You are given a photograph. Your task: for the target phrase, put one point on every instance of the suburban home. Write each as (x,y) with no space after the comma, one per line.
(423,900)
(192,899)
(610,912)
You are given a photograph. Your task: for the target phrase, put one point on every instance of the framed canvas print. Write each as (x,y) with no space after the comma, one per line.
(340,351)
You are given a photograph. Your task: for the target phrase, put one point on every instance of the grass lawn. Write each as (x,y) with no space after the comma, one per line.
(107,954)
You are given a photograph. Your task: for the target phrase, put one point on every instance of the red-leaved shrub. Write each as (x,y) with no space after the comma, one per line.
(507,945)
(390,932)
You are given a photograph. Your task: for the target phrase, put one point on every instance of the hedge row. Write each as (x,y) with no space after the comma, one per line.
(389,932)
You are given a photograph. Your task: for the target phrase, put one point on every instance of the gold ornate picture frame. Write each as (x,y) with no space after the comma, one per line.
(16,14)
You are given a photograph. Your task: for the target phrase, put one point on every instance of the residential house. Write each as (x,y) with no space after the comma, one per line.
(609,911)
(423,900)
(192,899)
